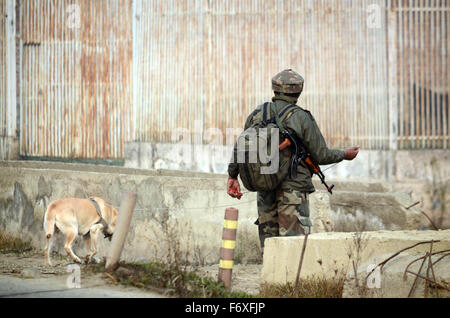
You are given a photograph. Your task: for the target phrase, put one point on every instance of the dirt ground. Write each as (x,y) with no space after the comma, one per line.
(25,275)
(31,266)
(15,263)
(245,278)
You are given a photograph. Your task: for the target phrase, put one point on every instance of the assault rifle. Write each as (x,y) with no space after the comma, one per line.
(299,153)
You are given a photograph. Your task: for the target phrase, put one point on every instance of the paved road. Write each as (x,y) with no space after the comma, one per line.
(56,286)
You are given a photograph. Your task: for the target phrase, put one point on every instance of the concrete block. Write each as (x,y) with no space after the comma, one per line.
(421,165)
(385,165)
(139,155)
(193,202)
(368,211)
(391,281)
(330,254)
(177,156)
(9,148)
(320,212)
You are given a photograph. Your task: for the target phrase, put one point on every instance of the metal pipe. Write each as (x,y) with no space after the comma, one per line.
(120,233)
(228,245)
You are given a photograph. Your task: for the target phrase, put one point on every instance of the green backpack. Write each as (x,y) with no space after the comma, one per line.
(261,166)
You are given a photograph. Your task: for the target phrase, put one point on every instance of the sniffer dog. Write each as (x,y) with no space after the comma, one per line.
(76,216)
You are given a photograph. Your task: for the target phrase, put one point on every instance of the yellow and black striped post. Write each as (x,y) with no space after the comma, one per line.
(228,245)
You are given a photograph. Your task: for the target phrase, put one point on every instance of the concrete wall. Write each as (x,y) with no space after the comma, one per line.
(180,207)
(403,165)
(332,254)
(184,199)
(422,174)
(9,148)
(186,157)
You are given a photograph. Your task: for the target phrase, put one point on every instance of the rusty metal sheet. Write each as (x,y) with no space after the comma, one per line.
(354,68)
(3,108)
(76,78)
(376,71)
(212,61)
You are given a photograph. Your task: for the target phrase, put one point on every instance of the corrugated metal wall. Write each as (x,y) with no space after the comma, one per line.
(170,51)
(76,78)
(8,83)
(376,71)
(3,108)
(421,43)
(213,60)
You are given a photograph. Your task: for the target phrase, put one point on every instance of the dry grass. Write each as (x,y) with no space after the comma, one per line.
(11,244)
(171,274)
(311,287)
(438,194)
(168,280)
(248,250)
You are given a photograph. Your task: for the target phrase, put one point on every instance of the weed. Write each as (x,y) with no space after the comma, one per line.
(172,270)
(10,244)
(248,248)
(438,192)
(354,253)
(171,280)
(310,287)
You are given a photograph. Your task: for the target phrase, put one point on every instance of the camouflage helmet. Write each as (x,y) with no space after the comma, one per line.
(287,81)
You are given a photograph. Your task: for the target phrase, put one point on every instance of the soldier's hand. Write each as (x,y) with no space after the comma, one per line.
(233,184)
(350,153)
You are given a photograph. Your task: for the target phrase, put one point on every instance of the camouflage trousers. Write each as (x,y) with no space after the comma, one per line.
(282,212)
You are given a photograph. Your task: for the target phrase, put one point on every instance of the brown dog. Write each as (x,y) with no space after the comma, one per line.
(75,216)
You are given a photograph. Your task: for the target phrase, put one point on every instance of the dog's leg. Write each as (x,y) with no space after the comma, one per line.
(49,228)
(70,237)
(48,247)
(87,242)
(94,231)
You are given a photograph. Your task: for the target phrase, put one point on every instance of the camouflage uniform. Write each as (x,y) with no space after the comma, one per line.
(285,211)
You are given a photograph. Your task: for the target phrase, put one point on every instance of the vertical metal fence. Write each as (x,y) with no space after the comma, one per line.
(421,46)
(95,74)
(8,83)
(212,61)
(76,78)
(3,108)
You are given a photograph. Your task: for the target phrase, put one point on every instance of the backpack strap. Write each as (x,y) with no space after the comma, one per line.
(268,110)
(288,110)
(264,118)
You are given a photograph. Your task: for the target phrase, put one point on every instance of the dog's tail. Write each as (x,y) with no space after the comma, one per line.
(49,220)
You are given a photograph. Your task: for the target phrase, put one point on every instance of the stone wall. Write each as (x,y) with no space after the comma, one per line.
(421,173)
(191,204)
(176,206)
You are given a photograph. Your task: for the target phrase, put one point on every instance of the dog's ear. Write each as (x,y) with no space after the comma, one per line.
(111,213)
(114,215)
(107,215)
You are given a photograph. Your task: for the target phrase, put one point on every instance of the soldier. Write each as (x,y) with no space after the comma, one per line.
(285,211)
